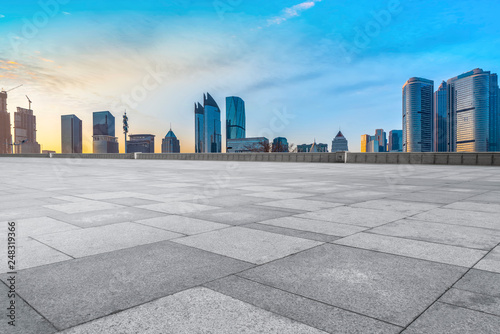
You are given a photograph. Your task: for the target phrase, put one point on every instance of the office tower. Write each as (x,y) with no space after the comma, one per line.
(280,144)
(245,145)
(71,134)
(312,148)
(418,95)
(207,126)
(365,139)
(25,131)
(170,144)
(104,133)
(381,138)
(395,141)
(5,134)
(339,143)
(199,119)
(473,121)
(440,140)
(235,117)
(143,143)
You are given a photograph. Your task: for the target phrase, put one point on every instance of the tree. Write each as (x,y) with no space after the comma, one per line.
(262,146)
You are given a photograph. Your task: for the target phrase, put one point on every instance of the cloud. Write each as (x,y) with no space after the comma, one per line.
(2,16)
(291,12)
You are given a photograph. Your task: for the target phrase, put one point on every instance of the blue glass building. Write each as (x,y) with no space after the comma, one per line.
(235,118)
(170,144)
(418,95)
(280,144)
(199,120)
(71,134)
(208,138)
(104,133)
(473,121)
(395,141)
(441,119)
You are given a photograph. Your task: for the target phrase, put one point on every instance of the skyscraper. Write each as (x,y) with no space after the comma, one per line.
(170,144)
(473,120)
(395,141)
(207,126)
(143,143)
(339,143)
(104,133)
(440,119)
(365,139)
(25,130)
(71,134)
(235,117)
(418,96)
(381,138)
(5,134)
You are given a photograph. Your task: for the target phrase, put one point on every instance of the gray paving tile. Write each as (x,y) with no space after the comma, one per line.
(177,208)
(310,312)
(92,287)
(231,201)
(491,262)
(82,206)
(489,197)
(461,217)
(130,201)
(242,215)
(248,244)
(12,214)
(387,287)
(354,216)
(472,300)
(435,196)
(448,319)
(106,217)
(406,207)
(480,281)
(301,204)
(263,188)
(475,206)
(456,235)
(278,195)
(181,224)
(27,320)
(457,256)
(292,232)
(96,240)
(198,310)
(316,226)
(36,226)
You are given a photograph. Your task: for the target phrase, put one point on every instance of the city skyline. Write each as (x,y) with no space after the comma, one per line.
(286,56)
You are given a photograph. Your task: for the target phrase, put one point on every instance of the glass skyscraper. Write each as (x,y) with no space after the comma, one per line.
(170,144)
(207,126)
(235,117)
(473,120)
(395,141)
(441,118)
(418,94)
(104,133)
(71,134)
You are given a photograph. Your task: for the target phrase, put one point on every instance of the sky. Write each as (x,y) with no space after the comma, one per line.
(305,68)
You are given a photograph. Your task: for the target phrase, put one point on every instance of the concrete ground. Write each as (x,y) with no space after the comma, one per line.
(138,246)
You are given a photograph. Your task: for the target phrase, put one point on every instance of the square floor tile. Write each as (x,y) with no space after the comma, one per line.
(301,204)
(181,224)
(177,208)
(316,226)
(408,208)
(29,227)
(242,215)
(491,262)
(461,217)
(82,206)
(247,244)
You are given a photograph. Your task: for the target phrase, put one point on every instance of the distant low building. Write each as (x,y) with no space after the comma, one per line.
(48,151)
(170,144)
(312,148)
(376,143)
(141,144)
(339,143)
(245,145)
(280,144)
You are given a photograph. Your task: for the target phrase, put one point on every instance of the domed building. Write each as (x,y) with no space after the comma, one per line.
(170,144)
(339,143)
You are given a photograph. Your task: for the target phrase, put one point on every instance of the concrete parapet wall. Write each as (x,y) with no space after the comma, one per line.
(26,155)
(455,158)
(93,156)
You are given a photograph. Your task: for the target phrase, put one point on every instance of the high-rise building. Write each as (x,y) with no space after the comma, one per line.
(440,139)
(143,143)
(25,131)
(170,144)
(235,117)
(395,141)
(381,138)
(418,94)
(339,143)
(365,139)
(280,144)
(473,120)
(207,126)
(104,133)
(5,133)
(71,134)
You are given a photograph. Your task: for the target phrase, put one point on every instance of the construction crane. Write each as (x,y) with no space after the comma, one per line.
(29,108)
(11,89)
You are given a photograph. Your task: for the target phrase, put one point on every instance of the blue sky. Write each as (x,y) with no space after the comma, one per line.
(323,64)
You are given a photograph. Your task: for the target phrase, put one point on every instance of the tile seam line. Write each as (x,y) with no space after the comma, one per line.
(312,299)
(449,288)
(468,308)
(34,309)
(287,228)
(43,243)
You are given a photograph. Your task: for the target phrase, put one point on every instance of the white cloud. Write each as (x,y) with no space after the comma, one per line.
(291,12)
(2,16)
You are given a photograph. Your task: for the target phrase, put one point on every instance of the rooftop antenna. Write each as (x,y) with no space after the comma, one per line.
(29,102)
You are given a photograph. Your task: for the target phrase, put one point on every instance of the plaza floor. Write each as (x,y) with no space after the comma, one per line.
(140,246)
